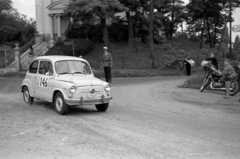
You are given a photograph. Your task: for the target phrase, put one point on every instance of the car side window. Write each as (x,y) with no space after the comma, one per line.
(46,68)
(33,67)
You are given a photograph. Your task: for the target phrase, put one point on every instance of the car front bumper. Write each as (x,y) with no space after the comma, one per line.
(86,101)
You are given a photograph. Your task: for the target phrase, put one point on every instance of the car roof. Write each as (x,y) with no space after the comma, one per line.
(55,58)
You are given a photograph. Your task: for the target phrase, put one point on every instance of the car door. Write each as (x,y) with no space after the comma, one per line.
(46,80)
(32,76)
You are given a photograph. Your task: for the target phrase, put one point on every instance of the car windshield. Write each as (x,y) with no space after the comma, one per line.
(72,67)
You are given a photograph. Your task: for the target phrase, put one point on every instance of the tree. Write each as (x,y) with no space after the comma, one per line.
(211,16)
(132,6)
(94,10)
(14,27)
(236,46)
(173,15)
(151,33)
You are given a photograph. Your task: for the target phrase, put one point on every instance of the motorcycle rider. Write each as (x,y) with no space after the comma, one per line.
(213,60)
(227,72)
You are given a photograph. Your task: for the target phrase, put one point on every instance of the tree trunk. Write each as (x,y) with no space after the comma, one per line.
(172,19)
(209,34)
(130,28)
(202,30)
(105,34)
(215,32)
(182,30)
(151,34)
(223,34)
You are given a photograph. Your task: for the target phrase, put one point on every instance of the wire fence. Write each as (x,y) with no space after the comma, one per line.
(27,46)
(122,63)
(7,56)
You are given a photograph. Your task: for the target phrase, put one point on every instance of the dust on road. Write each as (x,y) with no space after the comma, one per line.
(149,118)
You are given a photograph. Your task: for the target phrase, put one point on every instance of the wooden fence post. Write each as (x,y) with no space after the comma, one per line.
(17,57)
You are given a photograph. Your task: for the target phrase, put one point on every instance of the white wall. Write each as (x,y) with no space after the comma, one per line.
(236,16)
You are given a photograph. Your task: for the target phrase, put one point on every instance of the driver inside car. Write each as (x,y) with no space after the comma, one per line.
(49,70)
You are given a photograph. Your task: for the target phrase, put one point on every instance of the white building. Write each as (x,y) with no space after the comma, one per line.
(50,22)
(236,24)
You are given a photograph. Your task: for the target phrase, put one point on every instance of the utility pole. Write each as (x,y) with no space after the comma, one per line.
(230,25)
(151,34)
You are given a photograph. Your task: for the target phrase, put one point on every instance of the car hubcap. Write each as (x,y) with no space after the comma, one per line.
(59,104)
(26,96)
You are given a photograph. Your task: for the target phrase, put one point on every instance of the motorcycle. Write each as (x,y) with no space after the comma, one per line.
(214,78)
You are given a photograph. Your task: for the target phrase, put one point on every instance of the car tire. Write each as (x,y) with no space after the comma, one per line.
(26,96)
(59,104)
(102,107)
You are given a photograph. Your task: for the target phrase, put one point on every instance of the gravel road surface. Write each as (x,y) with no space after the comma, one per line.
(149,118)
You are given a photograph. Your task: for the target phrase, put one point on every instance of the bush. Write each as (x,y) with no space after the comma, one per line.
(84,48)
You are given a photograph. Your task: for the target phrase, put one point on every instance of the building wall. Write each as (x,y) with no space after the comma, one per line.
(44,22)
(236,15)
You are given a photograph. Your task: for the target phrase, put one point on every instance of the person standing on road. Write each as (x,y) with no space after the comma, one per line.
(107,64)
(187,65)
(227,72)
(213,60)
(30,49)
(238,72)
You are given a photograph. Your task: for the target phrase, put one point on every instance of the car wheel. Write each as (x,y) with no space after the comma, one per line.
(59,104)
(102,107)
(26,96)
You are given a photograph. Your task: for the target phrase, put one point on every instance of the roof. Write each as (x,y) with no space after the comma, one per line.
(55,58)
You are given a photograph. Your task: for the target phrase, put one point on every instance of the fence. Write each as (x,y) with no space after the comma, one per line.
(38,51)
(7,56)
(27,46)
(122,62)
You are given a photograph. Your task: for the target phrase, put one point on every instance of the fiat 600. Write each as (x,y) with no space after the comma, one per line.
(65,81)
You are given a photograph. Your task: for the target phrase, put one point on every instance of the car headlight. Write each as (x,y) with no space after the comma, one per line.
(73,89)
(107,88)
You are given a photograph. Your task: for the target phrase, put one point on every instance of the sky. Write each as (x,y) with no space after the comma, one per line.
(26,7)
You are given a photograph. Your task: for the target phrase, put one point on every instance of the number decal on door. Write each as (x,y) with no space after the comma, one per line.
(43,82)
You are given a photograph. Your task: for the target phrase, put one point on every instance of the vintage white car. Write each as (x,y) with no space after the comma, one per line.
(65,81)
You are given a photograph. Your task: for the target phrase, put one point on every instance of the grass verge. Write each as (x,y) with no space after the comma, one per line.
(122,73)
(195,82)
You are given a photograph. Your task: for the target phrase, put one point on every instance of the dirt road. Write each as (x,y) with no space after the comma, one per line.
(149,118)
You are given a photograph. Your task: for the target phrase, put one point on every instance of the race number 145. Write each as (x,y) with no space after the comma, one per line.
(43,82)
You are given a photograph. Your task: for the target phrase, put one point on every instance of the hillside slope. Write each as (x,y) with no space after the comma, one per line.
(137,57)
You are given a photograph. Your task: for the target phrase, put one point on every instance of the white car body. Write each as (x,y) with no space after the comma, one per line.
(75,89)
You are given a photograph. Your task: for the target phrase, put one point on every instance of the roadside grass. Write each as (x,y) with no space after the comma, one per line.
(134,61)
(116,73)
(136,56)
(194,82)
(122,73)
(20,74)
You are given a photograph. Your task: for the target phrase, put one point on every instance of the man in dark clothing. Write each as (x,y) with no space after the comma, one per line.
(30,49)
(238,72)
(188,66)
(213,60)
(107,64)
